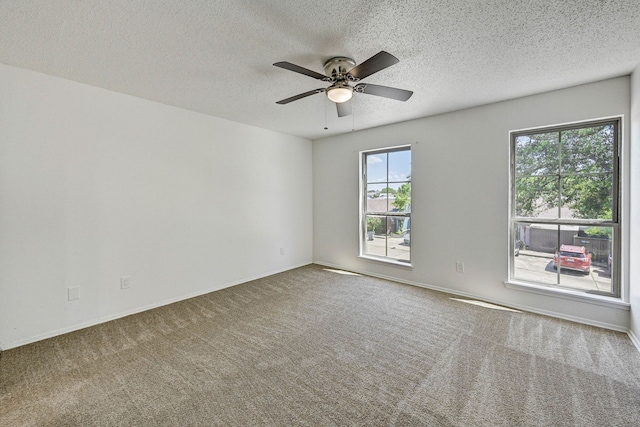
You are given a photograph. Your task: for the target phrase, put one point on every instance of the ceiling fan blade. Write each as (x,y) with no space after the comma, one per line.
(298,69)
(377,62)
(384,91)
(299,96)
(344,108)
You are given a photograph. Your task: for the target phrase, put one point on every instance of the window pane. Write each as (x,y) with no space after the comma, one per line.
(377,167)
(387,237)
(377,200)
(400,166)
(588,196)
(397,248)
(588,150)
(537,197)
(537,154)
(376,236)
(534,247)
(375,241)
(583,259)
(402,200)
(404,225)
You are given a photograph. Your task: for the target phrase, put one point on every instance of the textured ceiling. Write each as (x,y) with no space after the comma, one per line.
(216,57)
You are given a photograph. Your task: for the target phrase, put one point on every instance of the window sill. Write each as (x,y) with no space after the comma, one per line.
(387,261)
(600,300)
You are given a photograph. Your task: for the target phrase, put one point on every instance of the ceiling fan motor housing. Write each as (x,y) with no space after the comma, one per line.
(338,67)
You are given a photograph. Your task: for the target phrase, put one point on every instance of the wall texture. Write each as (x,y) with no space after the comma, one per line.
(460,185)
(96,185)
(634,252)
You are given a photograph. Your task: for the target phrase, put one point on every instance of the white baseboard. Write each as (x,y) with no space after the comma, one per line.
(634,339)
(98,321)
(535,310)
(93,322)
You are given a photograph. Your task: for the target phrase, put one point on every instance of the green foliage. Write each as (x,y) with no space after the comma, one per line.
(403,197)
(569,169)
(375,224)
(601,232)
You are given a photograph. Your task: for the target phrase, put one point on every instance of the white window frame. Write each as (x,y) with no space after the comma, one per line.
(363,206)
(613,299)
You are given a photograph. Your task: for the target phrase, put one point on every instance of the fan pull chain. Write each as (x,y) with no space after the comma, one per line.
(325,113)
(353,114)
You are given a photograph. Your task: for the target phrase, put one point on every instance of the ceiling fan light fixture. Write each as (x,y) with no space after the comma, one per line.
(339,93)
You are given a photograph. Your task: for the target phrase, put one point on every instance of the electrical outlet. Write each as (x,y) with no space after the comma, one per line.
(460,267)
(281,251)
(73,293)
(125,282)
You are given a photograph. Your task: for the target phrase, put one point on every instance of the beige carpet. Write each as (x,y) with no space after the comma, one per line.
(311,347)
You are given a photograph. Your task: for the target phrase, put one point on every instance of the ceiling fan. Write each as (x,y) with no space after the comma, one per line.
(341,72)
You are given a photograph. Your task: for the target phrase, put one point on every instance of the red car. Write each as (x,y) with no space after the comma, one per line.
(573,258)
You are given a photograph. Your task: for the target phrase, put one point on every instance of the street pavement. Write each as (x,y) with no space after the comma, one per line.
(538,267)
(393,247)
(531,266)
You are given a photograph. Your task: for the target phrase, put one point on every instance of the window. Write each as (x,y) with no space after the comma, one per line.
(386,205)
(565,229)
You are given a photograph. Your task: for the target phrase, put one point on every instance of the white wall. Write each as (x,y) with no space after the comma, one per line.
(460,195)
(634,273)
(96,185)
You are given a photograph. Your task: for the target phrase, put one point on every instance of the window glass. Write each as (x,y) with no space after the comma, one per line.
(386,206)
(536,154)
(377,168)
(564,218)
